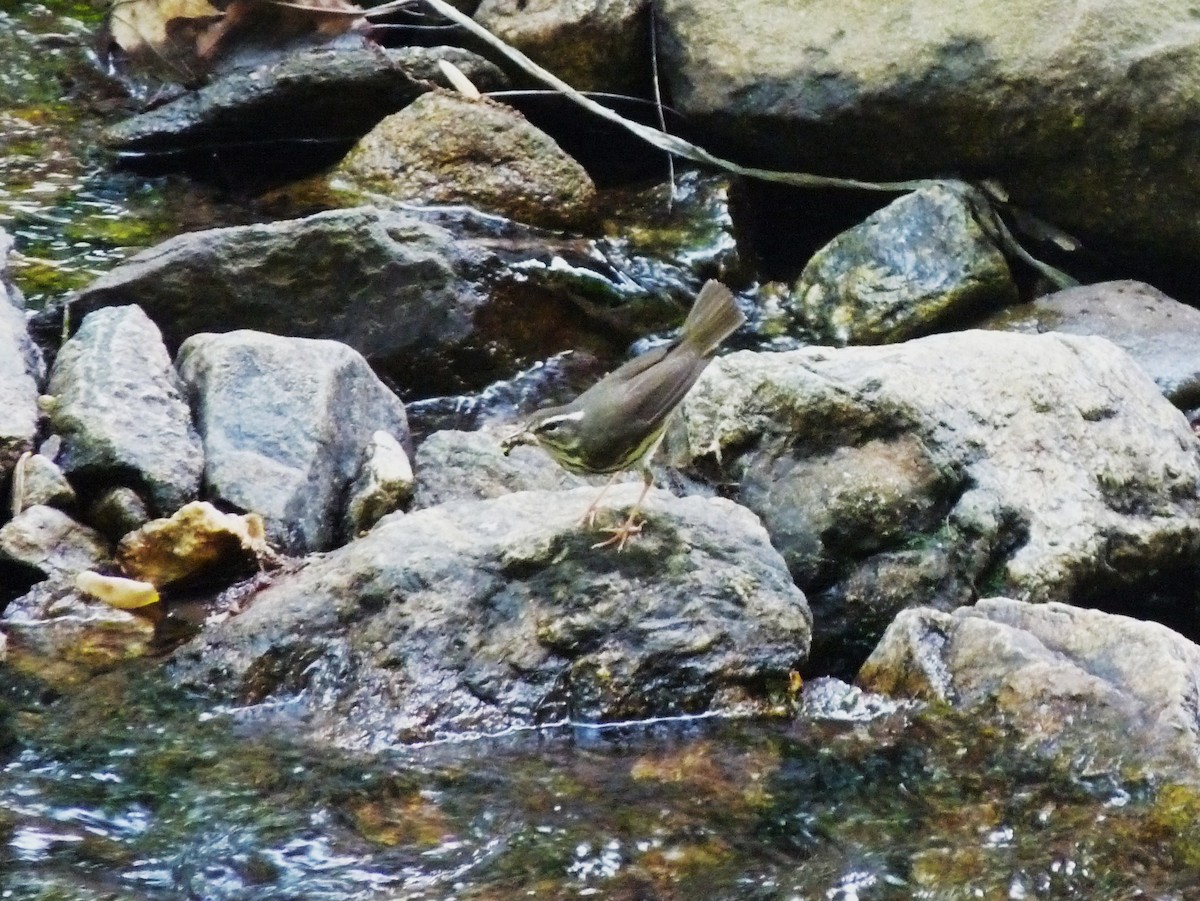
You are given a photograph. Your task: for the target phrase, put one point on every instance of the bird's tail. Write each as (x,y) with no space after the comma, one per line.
(714,317)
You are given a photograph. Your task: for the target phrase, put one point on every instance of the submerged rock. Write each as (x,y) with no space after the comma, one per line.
(1083,109)
(1047,467)
(918,264)
(285,422)
(52,542)
(1161,334)
(485,615)
(1098,688)
(448,148)
(121,412)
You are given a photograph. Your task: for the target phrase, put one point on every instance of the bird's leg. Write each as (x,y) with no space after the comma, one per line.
(631,527)
(589,516)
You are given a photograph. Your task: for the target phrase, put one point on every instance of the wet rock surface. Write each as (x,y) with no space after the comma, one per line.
(285,423)
(1074,681)
(447,148)
(120,410)
(1160,333)
(324,95)
(930,472)
(918,264)
(480,616)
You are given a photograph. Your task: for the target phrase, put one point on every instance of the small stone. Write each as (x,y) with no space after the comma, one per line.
(51,541)
(39,481)
(197,540)
(118,511)
(384,483)
(124,594)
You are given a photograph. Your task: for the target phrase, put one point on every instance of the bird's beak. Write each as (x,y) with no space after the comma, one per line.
(523,436)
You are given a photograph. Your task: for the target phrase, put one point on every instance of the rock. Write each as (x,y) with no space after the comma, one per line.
(1161,334)
(483,615)
(918,264)
(285,422)
(1082,109)
(21,369)
(456,466)
(37,480)
(118,511)
(61,636)
(195,542)
(383,485)
(448,148)
(320,95)
(1091,686)
(1046,467)
(50,541)
(593,45)
(121,412)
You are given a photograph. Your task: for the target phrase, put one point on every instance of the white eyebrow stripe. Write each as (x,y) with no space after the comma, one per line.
(564,417)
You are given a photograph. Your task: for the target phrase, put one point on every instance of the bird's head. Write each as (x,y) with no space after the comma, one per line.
(557,431)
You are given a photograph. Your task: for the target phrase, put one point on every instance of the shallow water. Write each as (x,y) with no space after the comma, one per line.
(131,790)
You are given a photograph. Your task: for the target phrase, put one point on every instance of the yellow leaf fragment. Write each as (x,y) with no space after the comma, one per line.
(124,594)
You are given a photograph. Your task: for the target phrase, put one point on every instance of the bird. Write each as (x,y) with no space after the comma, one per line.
(618,424)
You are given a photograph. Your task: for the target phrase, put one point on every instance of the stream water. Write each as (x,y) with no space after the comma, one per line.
(123,788)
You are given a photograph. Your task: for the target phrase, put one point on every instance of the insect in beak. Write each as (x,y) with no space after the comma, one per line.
(523,436)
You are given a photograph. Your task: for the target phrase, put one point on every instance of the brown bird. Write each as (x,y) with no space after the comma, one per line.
(619,422)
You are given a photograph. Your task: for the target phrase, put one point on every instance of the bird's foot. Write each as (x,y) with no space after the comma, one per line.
(621,534)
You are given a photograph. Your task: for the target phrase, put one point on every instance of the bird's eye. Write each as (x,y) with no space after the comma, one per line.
(551,425)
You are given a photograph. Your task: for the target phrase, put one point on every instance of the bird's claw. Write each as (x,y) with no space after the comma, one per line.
(621,534)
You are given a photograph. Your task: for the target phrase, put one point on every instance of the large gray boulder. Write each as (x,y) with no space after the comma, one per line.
(479,616)
(285,424)
(1084,110)
(1043,467)
(120,410)
(1094,687)
(1160,333)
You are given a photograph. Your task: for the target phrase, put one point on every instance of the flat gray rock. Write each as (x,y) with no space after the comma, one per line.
(285,424)
(480,616)
(1160,333)
(120,410)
